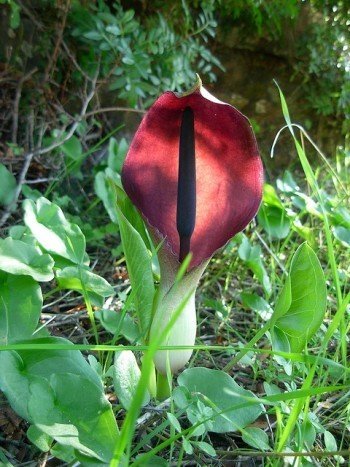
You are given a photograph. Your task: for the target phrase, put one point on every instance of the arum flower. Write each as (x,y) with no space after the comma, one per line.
(194,172)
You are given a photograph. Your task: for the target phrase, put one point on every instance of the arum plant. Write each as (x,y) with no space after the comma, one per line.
(194,172)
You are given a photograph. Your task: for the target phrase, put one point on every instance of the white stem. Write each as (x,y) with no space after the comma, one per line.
(171,296)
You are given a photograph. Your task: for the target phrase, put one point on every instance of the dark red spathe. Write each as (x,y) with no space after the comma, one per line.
(229,173)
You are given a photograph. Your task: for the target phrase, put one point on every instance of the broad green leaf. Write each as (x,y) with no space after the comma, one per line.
(188,448)
(7,186)
(72,148)
(272,215)
(330,441)
(287,184)
(302,303)
(31,193)
(307,435)
(116,154)
(252,256)
(62,396)
(174,422)
(139,264)
(270,197)
(40,439)
(115,322)
(280,343)
(257,438)
(64,453)
(126,376)
(306,233)
(17,257)
(106,192)
(73,278)
(284,300)
(109,189)
(257,303)
(20,307)
(274,221)
(206,447)
(53,232)
(342,234)
(222,394)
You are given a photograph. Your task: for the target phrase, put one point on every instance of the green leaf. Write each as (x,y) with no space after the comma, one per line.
(342,234)
(126,376)
(206,447)
(272,215)
(106,193)
(270,197)
(221,394)
(302,303)
(40,439)
(53,232)
(274,221)
(8,186)
(330,441)
(153,461)
(139,264)
(257,303)
(17,257)
(20,307)
(280,343)
(109,189)
(257,438)
(61,395)
(73,278)
(64,453)
(287,184)
(118,323)
(135,244)
(116,154)
(252,256)
(174,422)
(72,148)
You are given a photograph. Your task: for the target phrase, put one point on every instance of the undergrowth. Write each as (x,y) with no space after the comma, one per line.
(256,386)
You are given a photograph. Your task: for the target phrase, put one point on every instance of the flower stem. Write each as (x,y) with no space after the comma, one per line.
(152,382)
(163,387)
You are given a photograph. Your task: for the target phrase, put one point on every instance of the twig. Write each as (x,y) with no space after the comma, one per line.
(114,109)
(61,27)
(37,152)
(32,17)
(11,207)
(16,103)
(148,415)
(74,60)
(40,180)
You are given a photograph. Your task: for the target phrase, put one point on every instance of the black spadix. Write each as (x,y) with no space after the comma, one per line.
(186,188)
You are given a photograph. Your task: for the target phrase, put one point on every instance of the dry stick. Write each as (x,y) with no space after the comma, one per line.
(30,15)
(74,60)
(154,412)
(16,103)
(61,27)
(115,109)
(37,152)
